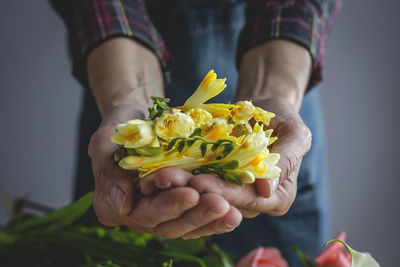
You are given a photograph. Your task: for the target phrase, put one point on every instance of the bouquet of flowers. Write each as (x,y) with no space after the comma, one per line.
(227,140)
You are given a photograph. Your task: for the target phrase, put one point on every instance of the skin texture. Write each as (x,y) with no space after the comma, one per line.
(171,202)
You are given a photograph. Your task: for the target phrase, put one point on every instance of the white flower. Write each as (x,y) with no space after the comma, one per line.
(200,116)
(243,111)
(134,133)
(174,123)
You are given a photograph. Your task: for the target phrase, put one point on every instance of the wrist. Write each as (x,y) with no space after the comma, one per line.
(275,69)
(123,72)
(120,114)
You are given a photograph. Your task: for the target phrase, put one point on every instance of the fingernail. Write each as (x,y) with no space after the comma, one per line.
(273,184)
(117,197)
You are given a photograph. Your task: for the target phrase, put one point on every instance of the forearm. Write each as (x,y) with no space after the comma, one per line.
(277,68)
(123,72)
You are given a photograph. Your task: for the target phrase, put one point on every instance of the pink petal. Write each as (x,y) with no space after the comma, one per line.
(331,252)
(263,257)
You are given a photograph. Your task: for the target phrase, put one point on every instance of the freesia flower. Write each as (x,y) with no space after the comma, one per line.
(200,116)
(263,257)
(243,111)
(217,129)
(208,88)
(217,110)
(174,123)
(263,116)
(134,133)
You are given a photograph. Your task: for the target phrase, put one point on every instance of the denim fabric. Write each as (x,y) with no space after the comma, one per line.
(202,35)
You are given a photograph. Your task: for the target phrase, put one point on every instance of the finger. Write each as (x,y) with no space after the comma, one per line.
(242,197)
(249,213)
(113,195)
(238,196)
(267,187)
(293,143)
(223,225)
(114,189)
(284,195)
(167,205)
(164,178)
(211,207)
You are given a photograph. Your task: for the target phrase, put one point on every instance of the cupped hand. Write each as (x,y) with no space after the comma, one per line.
(170,213)
(273,196)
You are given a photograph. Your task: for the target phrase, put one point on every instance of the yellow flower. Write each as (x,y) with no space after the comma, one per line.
(134,133)
(218,110)
(243,111)
(174,123)
(217,129)
(208,88)
(200,116)
(263,116)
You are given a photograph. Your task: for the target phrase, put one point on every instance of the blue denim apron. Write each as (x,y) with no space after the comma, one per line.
(202,35)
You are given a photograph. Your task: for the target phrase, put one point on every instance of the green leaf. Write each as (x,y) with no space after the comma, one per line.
(203,149)
(172,143)
(148,151)
(227,149)
(226,261)
(214,147)
(232,178)
(159,99)
(117,156)
(230,165)
(168,263)
(190,246)
(131,152)
(358,259)
(181,145)
(196,132)
(64,216)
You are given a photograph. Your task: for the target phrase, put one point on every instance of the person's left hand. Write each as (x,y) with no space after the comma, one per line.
(273,196)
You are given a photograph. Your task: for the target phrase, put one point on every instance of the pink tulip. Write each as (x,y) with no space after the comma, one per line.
(333,255)
(263,257)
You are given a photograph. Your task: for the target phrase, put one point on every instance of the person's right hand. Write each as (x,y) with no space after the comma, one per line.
(170,213)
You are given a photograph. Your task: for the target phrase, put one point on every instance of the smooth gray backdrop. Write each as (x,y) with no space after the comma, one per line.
(40,102)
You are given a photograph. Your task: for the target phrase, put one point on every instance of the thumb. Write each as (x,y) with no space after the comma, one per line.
(114,188)
(294,141)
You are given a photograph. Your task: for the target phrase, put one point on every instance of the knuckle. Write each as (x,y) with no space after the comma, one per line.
(206,183)
(97,200)
(290,162)
(100,178)
(279,212)
(106,222)
(307,137)
(250,214)
(145,222)
(197,183)
(165,234)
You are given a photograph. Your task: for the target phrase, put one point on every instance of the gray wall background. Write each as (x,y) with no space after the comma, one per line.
(40,102)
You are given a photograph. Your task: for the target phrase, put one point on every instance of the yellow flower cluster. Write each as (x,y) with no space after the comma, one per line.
(198,137)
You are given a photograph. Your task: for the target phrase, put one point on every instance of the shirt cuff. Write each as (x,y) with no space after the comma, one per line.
(304,22)
(101,20)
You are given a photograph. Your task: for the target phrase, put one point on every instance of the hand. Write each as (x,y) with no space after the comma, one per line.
(171,213)
(267,196)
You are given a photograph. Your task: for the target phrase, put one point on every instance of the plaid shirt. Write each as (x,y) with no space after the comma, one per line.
(91,22)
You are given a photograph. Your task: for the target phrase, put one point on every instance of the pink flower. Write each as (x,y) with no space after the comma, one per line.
(263,257)
(333,255)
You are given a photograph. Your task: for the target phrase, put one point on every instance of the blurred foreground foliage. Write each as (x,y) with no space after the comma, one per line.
(71,237)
